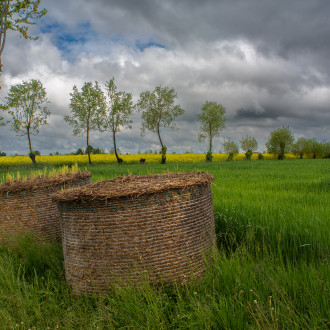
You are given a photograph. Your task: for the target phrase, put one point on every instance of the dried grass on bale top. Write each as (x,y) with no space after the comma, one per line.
(42,182)
(120,230)
(132,185)
(26,205)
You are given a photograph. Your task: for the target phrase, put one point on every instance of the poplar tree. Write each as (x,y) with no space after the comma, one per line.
(301,147)
(315,147)
(159,110)
(117,112)
(231,148)
(87,108)
(280,142)
(26,103)
(212,122)
(249,145)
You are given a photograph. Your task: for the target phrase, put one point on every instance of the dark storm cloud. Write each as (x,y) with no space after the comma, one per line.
(255,114)
(288,29)
(287,25)
(295,30)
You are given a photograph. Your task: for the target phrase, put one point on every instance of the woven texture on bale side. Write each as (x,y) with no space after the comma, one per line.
(132,185)
(32,210)
(164,237)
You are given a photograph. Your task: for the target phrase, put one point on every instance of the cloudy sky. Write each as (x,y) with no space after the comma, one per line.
(267,62)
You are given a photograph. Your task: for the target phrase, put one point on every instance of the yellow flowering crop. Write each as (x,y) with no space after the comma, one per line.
(108,159)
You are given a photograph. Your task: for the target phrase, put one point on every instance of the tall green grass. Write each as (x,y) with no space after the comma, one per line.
(45,171)
(271,271)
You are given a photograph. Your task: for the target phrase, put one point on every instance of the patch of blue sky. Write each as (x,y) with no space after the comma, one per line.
(144,45)
(71,40)
(67,37)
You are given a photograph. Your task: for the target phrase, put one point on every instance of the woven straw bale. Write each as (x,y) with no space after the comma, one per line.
(27,206)
(121,236)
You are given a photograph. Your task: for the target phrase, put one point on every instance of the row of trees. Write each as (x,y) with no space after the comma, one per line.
(248,144)
(93,109)
(280,142)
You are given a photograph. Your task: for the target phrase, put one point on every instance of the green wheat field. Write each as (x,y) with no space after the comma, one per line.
(271,272)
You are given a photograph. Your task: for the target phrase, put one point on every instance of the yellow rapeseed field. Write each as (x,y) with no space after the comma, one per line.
(108,159)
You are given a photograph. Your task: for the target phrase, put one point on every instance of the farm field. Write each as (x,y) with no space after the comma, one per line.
(271,272)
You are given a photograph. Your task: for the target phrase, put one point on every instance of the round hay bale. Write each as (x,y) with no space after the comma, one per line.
(121,230)
(27,206)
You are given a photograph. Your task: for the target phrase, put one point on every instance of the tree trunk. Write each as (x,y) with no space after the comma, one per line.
(160,140)
(209,155)
(3,19)
(119,160)
(281,156)
(32,155)
(210,146)
(29,138)
(88,149)
(163,148)
(210,135)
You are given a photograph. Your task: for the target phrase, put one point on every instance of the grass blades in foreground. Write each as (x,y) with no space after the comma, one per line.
(239,291)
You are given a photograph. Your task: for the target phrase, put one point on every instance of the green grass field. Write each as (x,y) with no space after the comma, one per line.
(272,271)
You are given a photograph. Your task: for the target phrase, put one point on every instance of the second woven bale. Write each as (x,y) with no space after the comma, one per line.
(26,205)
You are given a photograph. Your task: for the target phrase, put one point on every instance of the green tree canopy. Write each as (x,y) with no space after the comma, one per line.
(94,151)
(301,147)
(230,147)
(26,105)
(280,141)
(87,108)
(159,110)
(18,15)
(249,143)
(117,113)
(315,147)
(326,149)
(212,120)
(2,121)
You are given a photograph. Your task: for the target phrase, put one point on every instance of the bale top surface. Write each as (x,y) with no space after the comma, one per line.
(41,182)
(132,185)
